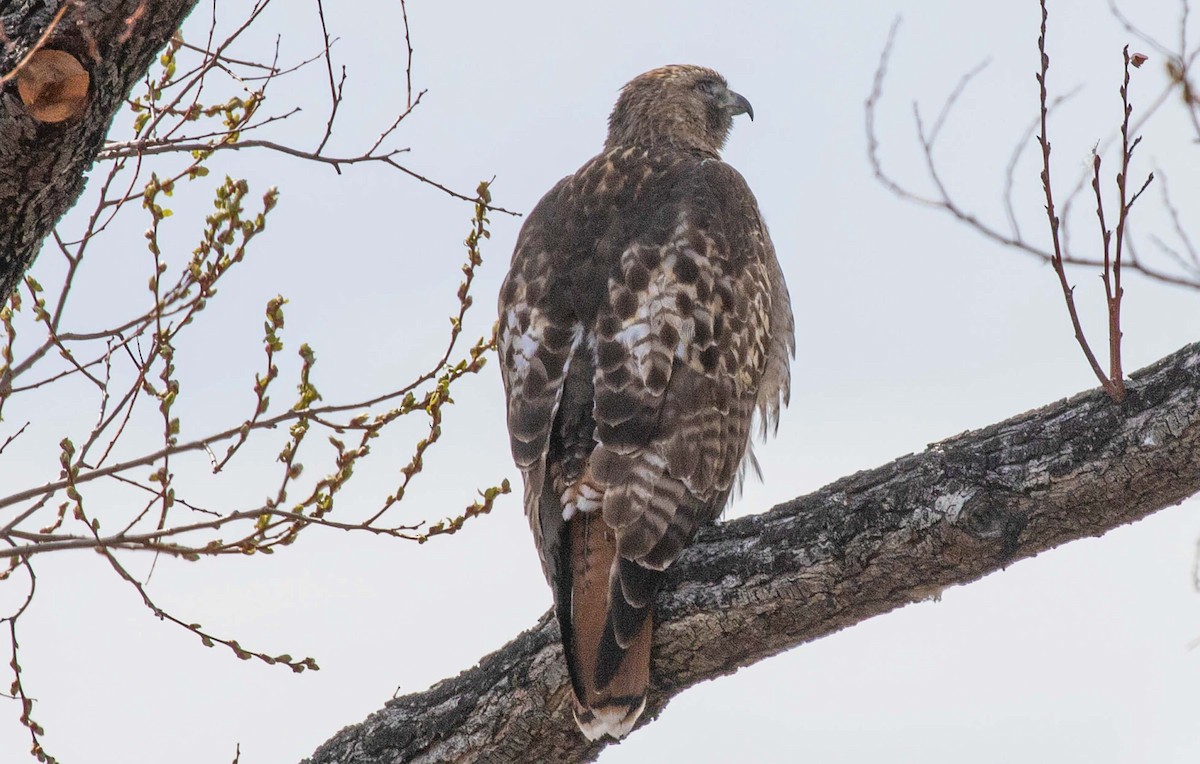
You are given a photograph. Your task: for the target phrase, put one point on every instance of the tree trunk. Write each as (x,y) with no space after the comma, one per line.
(866,544)
(42,164)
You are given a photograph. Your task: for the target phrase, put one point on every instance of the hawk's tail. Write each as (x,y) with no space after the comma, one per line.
(609,679)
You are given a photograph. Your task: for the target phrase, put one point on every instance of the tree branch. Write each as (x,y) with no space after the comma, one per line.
(864,545)
(44,164)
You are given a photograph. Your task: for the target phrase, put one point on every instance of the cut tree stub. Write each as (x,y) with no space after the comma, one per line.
(53,85)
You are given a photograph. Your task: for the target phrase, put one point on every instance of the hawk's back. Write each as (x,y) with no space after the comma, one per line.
(643,321)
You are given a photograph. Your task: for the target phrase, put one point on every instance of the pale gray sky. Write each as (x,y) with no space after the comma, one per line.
(910,329)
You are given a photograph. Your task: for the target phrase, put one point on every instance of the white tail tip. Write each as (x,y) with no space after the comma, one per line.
(614,721)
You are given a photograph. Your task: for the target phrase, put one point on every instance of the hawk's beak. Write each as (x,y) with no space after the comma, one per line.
(737,104)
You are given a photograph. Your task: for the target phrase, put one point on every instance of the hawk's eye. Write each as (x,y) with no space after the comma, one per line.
(709,87)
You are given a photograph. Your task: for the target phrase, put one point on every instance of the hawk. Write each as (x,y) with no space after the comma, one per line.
(643,322)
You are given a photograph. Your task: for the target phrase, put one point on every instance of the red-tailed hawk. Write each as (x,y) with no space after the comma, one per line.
(643,321)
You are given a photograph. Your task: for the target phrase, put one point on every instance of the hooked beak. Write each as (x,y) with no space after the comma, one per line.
(737,104)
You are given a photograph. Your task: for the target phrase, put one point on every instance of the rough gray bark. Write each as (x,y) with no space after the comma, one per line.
(862,546)
(42,166)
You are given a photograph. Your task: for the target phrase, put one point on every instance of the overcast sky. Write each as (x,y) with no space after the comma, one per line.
(910,328)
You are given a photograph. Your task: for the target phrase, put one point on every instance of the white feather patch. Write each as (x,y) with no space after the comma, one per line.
(615,722)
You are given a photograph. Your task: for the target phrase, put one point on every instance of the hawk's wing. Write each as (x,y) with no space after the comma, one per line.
(642,322)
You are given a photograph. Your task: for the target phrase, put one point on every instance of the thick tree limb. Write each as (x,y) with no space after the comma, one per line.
(862,546)
(42,164)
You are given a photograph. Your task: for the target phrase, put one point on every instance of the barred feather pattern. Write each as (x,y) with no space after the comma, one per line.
(643,323)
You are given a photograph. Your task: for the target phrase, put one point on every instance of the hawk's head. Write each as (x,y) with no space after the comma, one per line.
(683,106)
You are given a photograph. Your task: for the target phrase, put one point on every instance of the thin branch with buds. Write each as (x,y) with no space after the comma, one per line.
(198,103)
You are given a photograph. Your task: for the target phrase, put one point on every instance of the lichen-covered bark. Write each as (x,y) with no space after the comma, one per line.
(42,165)
(862,546)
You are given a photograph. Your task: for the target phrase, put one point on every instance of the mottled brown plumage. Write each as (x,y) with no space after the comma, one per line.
(643,322)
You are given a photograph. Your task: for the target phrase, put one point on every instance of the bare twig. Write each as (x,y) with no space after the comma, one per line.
(941,200)
(1192,259)
(1018,150)
(13,437)
(408,61)
(1126,204)
(335,88)
(1057,259)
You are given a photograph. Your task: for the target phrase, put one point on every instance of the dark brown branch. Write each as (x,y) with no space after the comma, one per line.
(862,546)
